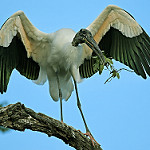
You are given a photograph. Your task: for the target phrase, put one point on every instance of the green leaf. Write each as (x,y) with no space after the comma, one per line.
(111,67)
(109,60)
(118,76)
(114,73)
(101,67)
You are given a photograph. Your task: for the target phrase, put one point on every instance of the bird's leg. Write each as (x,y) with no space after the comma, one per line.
(61,112)
(60,96)
(79,106)
(88,133)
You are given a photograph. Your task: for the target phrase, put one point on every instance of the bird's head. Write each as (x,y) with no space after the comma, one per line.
(82,36)
(85,36)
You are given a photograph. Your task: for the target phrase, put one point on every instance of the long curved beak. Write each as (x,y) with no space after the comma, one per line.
(93,45)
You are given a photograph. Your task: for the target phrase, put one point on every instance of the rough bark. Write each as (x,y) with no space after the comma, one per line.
(18,117)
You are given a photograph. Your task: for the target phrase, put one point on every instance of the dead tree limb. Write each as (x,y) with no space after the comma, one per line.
(18,117)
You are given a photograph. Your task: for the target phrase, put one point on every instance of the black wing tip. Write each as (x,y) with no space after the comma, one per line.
(144,77)
(138,60)
(2,91)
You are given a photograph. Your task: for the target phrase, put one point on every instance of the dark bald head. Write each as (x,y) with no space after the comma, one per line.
(85,36)
(81,37)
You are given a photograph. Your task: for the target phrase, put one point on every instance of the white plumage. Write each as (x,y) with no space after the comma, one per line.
(64,59)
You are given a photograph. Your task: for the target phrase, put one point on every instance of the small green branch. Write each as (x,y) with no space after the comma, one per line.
(116,73)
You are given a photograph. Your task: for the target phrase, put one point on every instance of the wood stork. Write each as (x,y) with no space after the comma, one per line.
(64,56)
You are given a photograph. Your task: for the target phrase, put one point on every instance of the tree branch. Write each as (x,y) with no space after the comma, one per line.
(18,117)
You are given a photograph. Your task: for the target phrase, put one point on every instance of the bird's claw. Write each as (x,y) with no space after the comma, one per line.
(91,138)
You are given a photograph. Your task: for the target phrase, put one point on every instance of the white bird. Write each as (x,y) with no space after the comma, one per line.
(64,55)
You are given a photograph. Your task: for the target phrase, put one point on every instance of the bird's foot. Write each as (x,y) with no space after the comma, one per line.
(91,138)
(88,133)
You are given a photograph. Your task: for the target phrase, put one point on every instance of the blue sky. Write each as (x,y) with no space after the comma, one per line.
(117,113)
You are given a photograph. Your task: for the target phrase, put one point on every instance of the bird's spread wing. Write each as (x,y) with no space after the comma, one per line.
(122,38)
(19,39)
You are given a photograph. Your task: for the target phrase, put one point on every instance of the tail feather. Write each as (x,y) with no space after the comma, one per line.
(42,78)
(66,85)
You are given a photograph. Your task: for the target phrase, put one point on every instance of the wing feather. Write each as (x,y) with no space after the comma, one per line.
(134,60)
(122,49)
(20,40)
(18,23)
(115,17)
(89,67)
(121,38)
(9,60)
(117,41)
